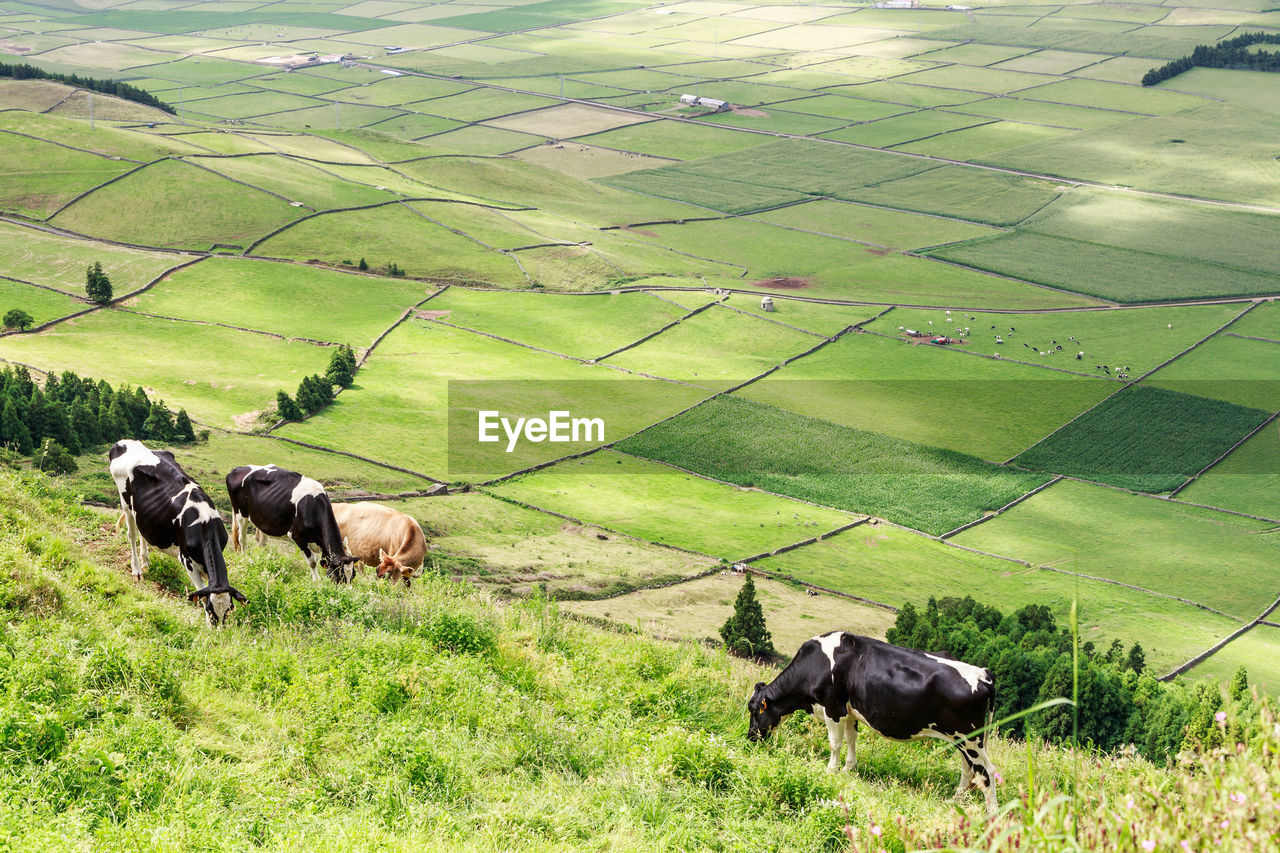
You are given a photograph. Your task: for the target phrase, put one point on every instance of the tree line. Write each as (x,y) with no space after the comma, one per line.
(316,391)
(1229,53)
(73,414)
(1031,660)
(22,71)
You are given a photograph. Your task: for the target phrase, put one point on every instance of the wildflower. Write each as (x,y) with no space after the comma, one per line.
(1224,824)
(1221,717)
(1237,798)
(1186,845)
(875,830)
(1128,804)
(1149,844)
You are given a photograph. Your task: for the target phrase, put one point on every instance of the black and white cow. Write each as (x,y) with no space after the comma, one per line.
(900,693)
(284,503)
(169,511)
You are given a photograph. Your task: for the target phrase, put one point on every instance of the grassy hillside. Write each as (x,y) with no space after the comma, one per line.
(370,718)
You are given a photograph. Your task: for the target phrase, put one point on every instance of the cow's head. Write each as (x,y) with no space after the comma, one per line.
(340,567)
(764,718)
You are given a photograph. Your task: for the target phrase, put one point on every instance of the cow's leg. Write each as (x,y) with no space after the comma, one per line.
(131,529)
(835,737)
(966,775)
(985,778)
(237,532)
(259,536)
(851,738)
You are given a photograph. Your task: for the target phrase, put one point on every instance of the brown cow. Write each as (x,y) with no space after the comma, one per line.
(382,537)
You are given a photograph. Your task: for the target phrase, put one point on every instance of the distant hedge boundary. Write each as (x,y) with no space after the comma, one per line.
(1229,53)
(23,71)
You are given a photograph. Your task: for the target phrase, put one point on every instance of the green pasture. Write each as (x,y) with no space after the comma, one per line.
(37,178)
(520,551)
(897,130)
(60,262)
(908,94)
(1135,338)
(921,393)
(983,142)
(992,81)
(1257,650)
(836,268)
(1262,322)
(385,91)
(1108,272)
(587,161)
(718,194)
(715,348)
(974,54)
(1042,112)
(172,204)
(1118,69)
(679,140)
(575,269)
(186,21)
(896,567)
(480,140)
(311,146)
(753,444)
(33,95)
(490,226)
(388,179)
(201,70)
(695,611)
(1205,556)
(299,83)
(215,373)
(661,504)
(1146,437)
(1052,61)
(478,104)
(890,229)
(547,13)
(1247,481)
(224,143)
(105,55)
(841,107)
(103,139)
(1114,96)
(1230,368)
(407,126)
(296,180)
(43,305)
(976,195)
(777,120)
(1217,151)
(1235,239)
(329,116)
(817,317)
(254,104)
(1256,90)
(286,299)
(394,234)
(567,120)
(398,410)
(573,88)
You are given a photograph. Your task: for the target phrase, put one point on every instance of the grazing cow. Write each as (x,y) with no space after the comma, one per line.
(285,503)
(383,537)
(899,693)
(165,508)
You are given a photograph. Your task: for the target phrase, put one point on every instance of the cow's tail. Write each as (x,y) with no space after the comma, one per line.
(216,568)
(991,713)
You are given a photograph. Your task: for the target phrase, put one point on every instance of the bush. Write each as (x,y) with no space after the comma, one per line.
(53,458)
(18,319)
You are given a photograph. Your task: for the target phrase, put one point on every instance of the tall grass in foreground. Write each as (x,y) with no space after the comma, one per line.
(365,718)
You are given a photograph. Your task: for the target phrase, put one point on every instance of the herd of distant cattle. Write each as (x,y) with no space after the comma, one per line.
(842,678)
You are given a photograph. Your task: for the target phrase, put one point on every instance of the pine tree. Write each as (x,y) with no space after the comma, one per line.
(364,265)
(745,633)
(182,430)
(1239,686)
(84,423)
(1137,659)
(314,393)
(96,284)
(342,366)
(287,408)
(159,424)
(112,423)
(16,434)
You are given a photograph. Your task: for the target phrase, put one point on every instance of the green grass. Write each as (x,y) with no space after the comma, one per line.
(696,610)
(586,327)
(1146,438)
(841,107)
(906,94)
(1262,322)
(425,380)
(749,443)
(287,299)
(976,406)
(175,205)
(43,305)
(779,120)
(37,178)
(1246,481)
(676,139)
(1136,338)
(984,142)
(661,504)
(543,14)
(480,104)
(1122,275)
(1257,651)
(566,120)
(253,104)
(295,180)
(895,567)
(1043,112)
(516,551)
(888,132)
(587,161)
(993,81)
(215,373)
(60,262)
(979,196)
(1228,368)
(1113,96)
(891,229)
(103,139)
(715,349)
(480,140)
(394,233)
(822,318)
(1205,556)
(726,196)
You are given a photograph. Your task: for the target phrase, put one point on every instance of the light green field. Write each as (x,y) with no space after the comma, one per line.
(696,610)
(661,504)
(328,117)
(715,348)
(1262,322)
(562,122)
(479,104)
(890,229)
(287,299)
(983,143)
(714,194)
(1228,368)
(481,140)
(1122,275)
(907,94)
(175,205)
(993,81)
(1254,89)
(842,107)
(398,410)
(588,161)
(922,393)
(675,139)
(1112,96)
(974,53)
(582,326)
(315,147)
(817,317)
(384,91)
(254,104)
(1257,650)
(215,373)
(842,269)
(43,305)
(1208,557)
(60,262)
(1043,112)
(517,550)
(295,180)
(34,95)
(1136,338)
(971,194)
(1117,69)
(394,234)
(1052,61)
(1246,481)
(901,129)
(778,120)
(895,567)
(37,178)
